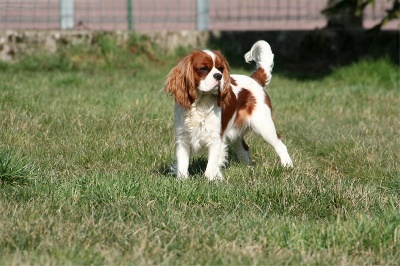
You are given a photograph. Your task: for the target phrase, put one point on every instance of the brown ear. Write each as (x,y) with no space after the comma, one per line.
(180,82)
(225,91)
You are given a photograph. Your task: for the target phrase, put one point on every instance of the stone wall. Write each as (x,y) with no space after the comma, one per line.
(15,43)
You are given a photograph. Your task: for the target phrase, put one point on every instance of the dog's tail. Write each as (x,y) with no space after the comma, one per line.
(261,53)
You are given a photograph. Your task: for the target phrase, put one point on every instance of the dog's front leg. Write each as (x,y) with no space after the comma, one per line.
(214,160)
(182,160)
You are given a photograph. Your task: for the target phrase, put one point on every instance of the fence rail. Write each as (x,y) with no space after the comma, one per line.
(148,15)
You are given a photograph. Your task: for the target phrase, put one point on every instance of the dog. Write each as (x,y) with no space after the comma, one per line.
(214,108)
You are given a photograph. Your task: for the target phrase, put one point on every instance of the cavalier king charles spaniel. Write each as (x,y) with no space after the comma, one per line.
(214,108)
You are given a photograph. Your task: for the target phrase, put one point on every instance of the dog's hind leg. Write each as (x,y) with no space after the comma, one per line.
(263,124)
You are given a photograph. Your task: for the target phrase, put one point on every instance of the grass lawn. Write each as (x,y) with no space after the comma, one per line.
(86,141)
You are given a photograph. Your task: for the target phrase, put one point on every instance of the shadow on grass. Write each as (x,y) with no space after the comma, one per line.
(197,165)
(308,55)
(197,168)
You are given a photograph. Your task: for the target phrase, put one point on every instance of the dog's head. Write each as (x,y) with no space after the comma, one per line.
(202,71)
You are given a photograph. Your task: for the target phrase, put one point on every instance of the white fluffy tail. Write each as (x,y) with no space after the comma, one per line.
(261,53)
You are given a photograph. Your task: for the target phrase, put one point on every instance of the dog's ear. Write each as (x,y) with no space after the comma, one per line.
(226,97)
(224,92)
(226,73)
(180,82)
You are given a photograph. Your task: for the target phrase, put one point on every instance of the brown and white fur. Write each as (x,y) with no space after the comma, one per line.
(214,108)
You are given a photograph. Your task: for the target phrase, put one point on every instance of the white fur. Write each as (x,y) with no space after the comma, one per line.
(260,121)
(261,53)
(199,128)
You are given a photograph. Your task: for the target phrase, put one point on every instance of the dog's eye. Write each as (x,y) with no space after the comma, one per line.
(221,69)
(203,69)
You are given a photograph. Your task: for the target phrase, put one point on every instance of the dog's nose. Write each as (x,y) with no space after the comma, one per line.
(217,76)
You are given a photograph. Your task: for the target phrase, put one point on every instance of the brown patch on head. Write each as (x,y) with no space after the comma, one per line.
(246,103)
(202,64)
(260,76)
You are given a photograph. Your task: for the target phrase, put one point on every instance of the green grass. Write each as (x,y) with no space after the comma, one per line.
(86,140)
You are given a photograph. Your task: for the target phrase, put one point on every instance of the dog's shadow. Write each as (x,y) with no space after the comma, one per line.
(197,167)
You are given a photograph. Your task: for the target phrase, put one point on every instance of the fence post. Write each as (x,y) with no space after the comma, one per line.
(67,14)
(202,15)
(129,14)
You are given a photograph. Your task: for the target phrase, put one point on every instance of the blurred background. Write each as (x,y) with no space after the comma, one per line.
(156,15)
(310,36)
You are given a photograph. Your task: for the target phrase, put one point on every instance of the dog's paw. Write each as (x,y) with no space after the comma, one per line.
(182,177)
(286,161)
(214,176)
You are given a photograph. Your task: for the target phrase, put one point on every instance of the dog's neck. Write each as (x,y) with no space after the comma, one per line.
(204,106)
(205,99)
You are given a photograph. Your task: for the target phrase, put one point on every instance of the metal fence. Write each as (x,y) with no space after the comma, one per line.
(148,15)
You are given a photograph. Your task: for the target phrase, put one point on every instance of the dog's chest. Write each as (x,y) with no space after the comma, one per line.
(203,123)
